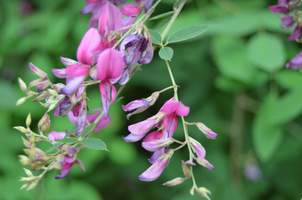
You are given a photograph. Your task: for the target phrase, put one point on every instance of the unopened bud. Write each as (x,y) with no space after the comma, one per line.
(28,120)
(207,132)
(203,192)
(28,172)
(22,85)
(37,71)
(192,190)
(204,163)
(44,123)
(41,97)
(24,160)
(52,92)
(32,185)
(25,142)
(22,129)
(21,101)
(186,169)
(24,186)
(174,182)
(28,179)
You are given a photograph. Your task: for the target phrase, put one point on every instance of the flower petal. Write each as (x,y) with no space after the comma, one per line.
(88,45)
(73,84)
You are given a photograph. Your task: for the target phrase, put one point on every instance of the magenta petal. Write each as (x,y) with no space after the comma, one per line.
(142,128)
(157,168)
(77,70)
(67,61)
(73,84)
(278,9)
(130,9)
(110,19)
(133,138)
(65,170)
(110,64)
(287,22)
(88,45)
(182,110)
(157,144)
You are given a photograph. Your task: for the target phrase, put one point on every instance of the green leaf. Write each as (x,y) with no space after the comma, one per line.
(94,143)
(289,79)
(72,130)
(266,51)
(166,14)
(231,60)
(266,135)
(88,130)
(53,147)
(288,107)
(166,53)
(68,140)
(155,37)
(187,33)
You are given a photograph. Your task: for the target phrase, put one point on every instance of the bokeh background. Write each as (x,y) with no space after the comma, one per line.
(232,77)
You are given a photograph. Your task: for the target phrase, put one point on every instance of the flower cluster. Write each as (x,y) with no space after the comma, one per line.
(109,54)
(288,21)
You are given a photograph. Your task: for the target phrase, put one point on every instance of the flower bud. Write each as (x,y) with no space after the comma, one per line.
(28,120)
(24,186)
(21,101)
(205,163)
(207,132)
(44,123)
(186,169)
(22,129)
(22,85)
(174,182)
(28,179)
(203,192)
(192,190)
(37,71)
(32,185)
(24,160)
(28,172)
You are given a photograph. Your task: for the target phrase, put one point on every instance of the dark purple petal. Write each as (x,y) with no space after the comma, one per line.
(287,22)
(278,9)
(296,34)
(296,62)
(82,120)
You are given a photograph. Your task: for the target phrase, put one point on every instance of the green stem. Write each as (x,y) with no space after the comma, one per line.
(176,13)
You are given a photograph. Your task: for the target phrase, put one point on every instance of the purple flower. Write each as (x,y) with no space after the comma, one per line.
(206,131)
(156,169)
(154,141)
(197,148)
(139,130)
(296,33)
(287,22)
(282,7)
(173,108)
(296,62)
(140,105)
(137,48)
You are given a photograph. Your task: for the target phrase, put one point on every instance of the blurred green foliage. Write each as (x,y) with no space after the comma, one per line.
(232,77)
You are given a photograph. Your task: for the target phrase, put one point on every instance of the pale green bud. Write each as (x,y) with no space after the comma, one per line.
(22,129)
(28,172)
(22,85)
(21,101)
(203,192)
(192,190)
(33,185)
(24,186)
(186,169)
(24,160)
(28,120)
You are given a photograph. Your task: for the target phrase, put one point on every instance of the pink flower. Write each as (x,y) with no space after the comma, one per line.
(110,19)
(296,62)
(76,72)
(109,65)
